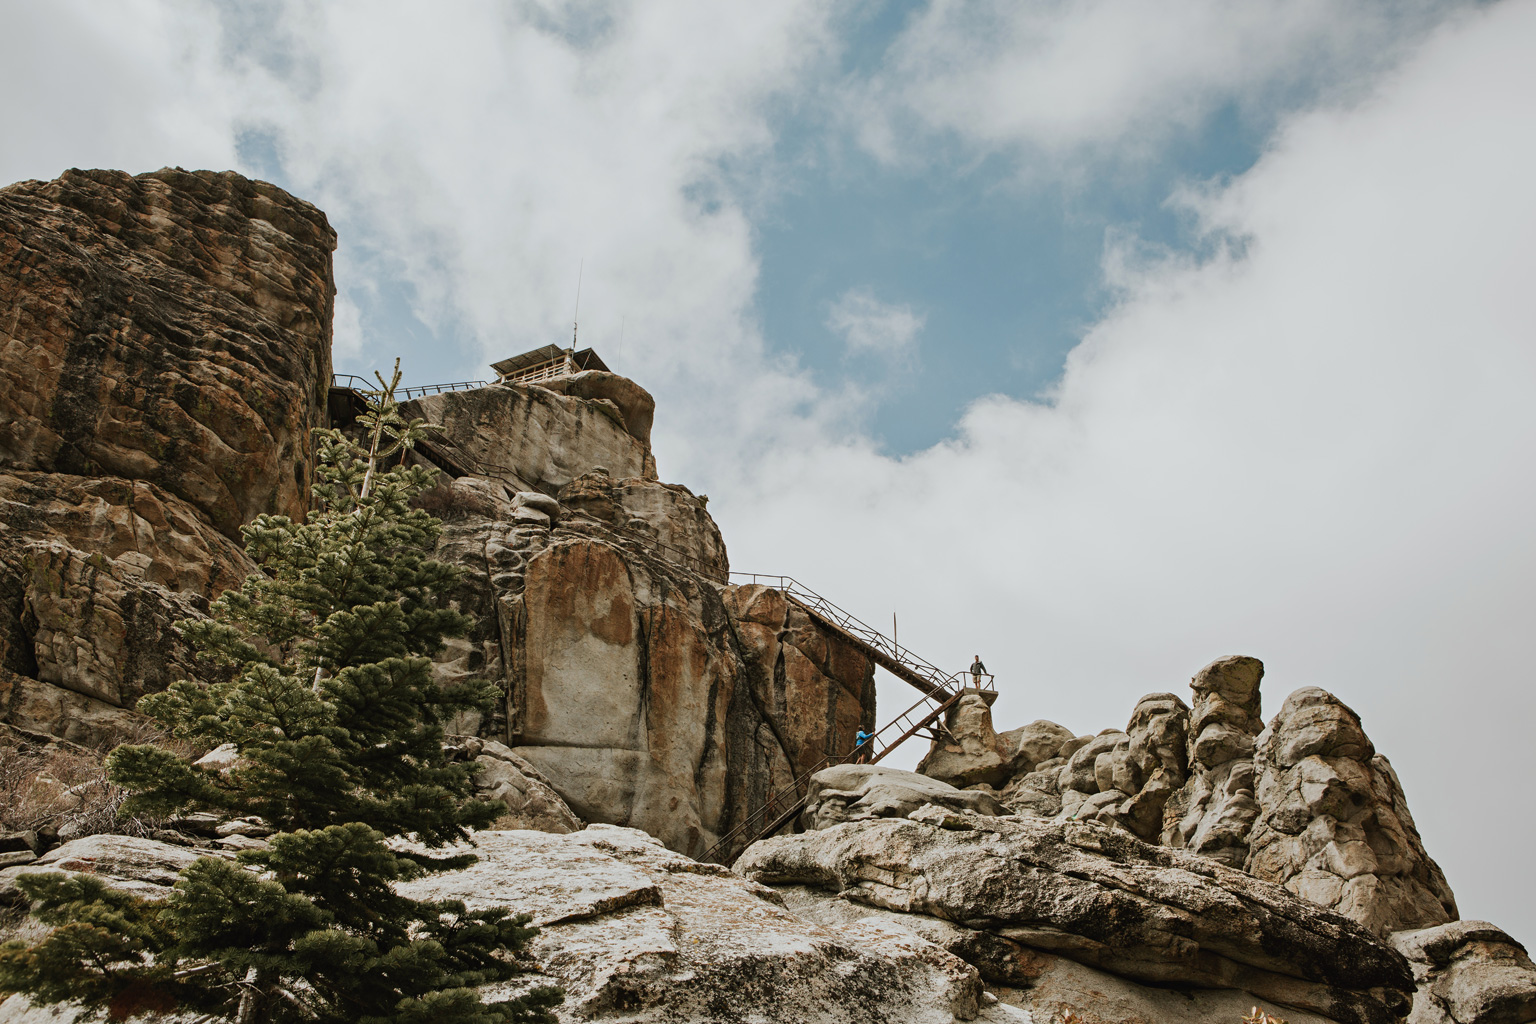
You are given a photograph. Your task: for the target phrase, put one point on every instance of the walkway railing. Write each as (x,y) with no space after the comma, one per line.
(940,691)
(356,383)
(885,651)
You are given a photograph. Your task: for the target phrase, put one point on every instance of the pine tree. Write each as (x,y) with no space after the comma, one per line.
(324,694)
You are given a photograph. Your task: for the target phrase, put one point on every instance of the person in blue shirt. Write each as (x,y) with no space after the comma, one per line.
(862,747)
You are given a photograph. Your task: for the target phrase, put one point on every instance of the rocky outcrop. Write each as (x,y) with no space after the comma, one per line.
(1213,812)
(635,405)
(1468,972)
(858,792)
(643,692)
(1334,824)
(812,688)
(968,751)
(529,437)
(531,802)
(635,932)
(1099,896)
(172,327)
(1044,985)
(145,867)
(164,354)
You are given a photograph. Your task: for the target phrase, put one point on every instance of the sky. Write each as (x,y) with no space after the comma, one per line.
(1103,339)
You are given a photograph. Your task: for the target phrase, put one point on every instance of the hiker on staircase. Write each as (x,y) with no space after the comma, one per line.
(977,671)
(862,747)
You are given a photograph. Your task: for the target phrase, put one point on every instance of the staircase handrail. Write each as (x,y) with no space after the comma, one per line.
(848,622)
(352,382)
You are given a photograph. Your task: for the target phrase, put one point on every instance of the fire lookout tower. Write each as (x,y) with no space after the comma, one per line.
(544,363)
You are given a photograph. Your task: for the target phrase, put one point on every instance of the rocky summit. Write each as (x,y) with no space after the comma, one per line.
(684,817)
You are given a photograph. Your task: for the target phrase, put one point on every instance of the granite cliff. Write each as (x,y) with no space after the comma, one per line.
(165,354)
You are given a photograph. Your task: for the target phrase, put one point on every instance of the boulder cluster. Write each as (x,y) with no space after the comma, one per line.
(1305,801)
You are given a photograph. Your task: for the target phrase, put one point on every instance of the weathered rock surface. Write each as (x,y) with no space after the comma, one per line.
(968,750)
(145,867)
(1334,824)
(165,354)
(531,801)
(172,327)
(636,407)
(812,689)
(636,933)
(1045,985)
(39,710)
(1468,972)
(630,686)
(530,437)
(1097,895)
(859,792)
(1213,812)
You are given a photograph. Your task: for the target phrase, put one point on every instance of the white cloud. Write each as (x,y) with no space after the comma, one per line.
(1315,447)
(871,327)
(1111,76)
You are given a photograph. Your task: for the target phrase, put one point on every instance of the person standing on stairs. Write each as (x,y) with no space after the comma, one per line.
(977,671)
(861,747)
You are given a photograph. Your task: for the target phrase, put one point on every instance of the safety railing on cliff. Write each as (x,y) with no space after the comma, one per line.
(352,382)
(895,659)
(940,691)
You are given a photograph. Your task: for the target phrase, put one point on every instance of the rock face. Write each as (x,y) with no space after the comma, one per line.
(172,328)
(812,689)
(1468,972)
(533,438)
(858,792)
(636,933)
(644,692)
(1214,811)
(1334,824)
(1097,895)
(969,751)
(531,801)
(164,354)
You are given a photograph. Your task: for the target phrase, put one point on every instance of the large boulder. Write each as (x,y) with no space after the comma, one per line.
(1213,812)
(1334,823)
(172,327)
(968,751)
(529,437)
(164,357)
(636,407)
(1468,972)
(531,802)
(145,867)
(858,792)
(1097,895)
(634,932)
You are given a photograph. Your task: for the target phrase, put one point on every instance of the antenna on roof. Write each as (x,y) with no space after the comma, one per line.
(576,316)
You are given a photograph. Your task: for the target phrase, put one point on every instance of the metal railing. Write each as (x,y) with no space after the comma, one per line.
(363,384)
(887,653)
(940,691)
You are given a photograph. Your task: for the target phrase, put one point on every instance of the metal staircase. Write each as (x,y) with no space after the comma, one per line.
(940,690)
